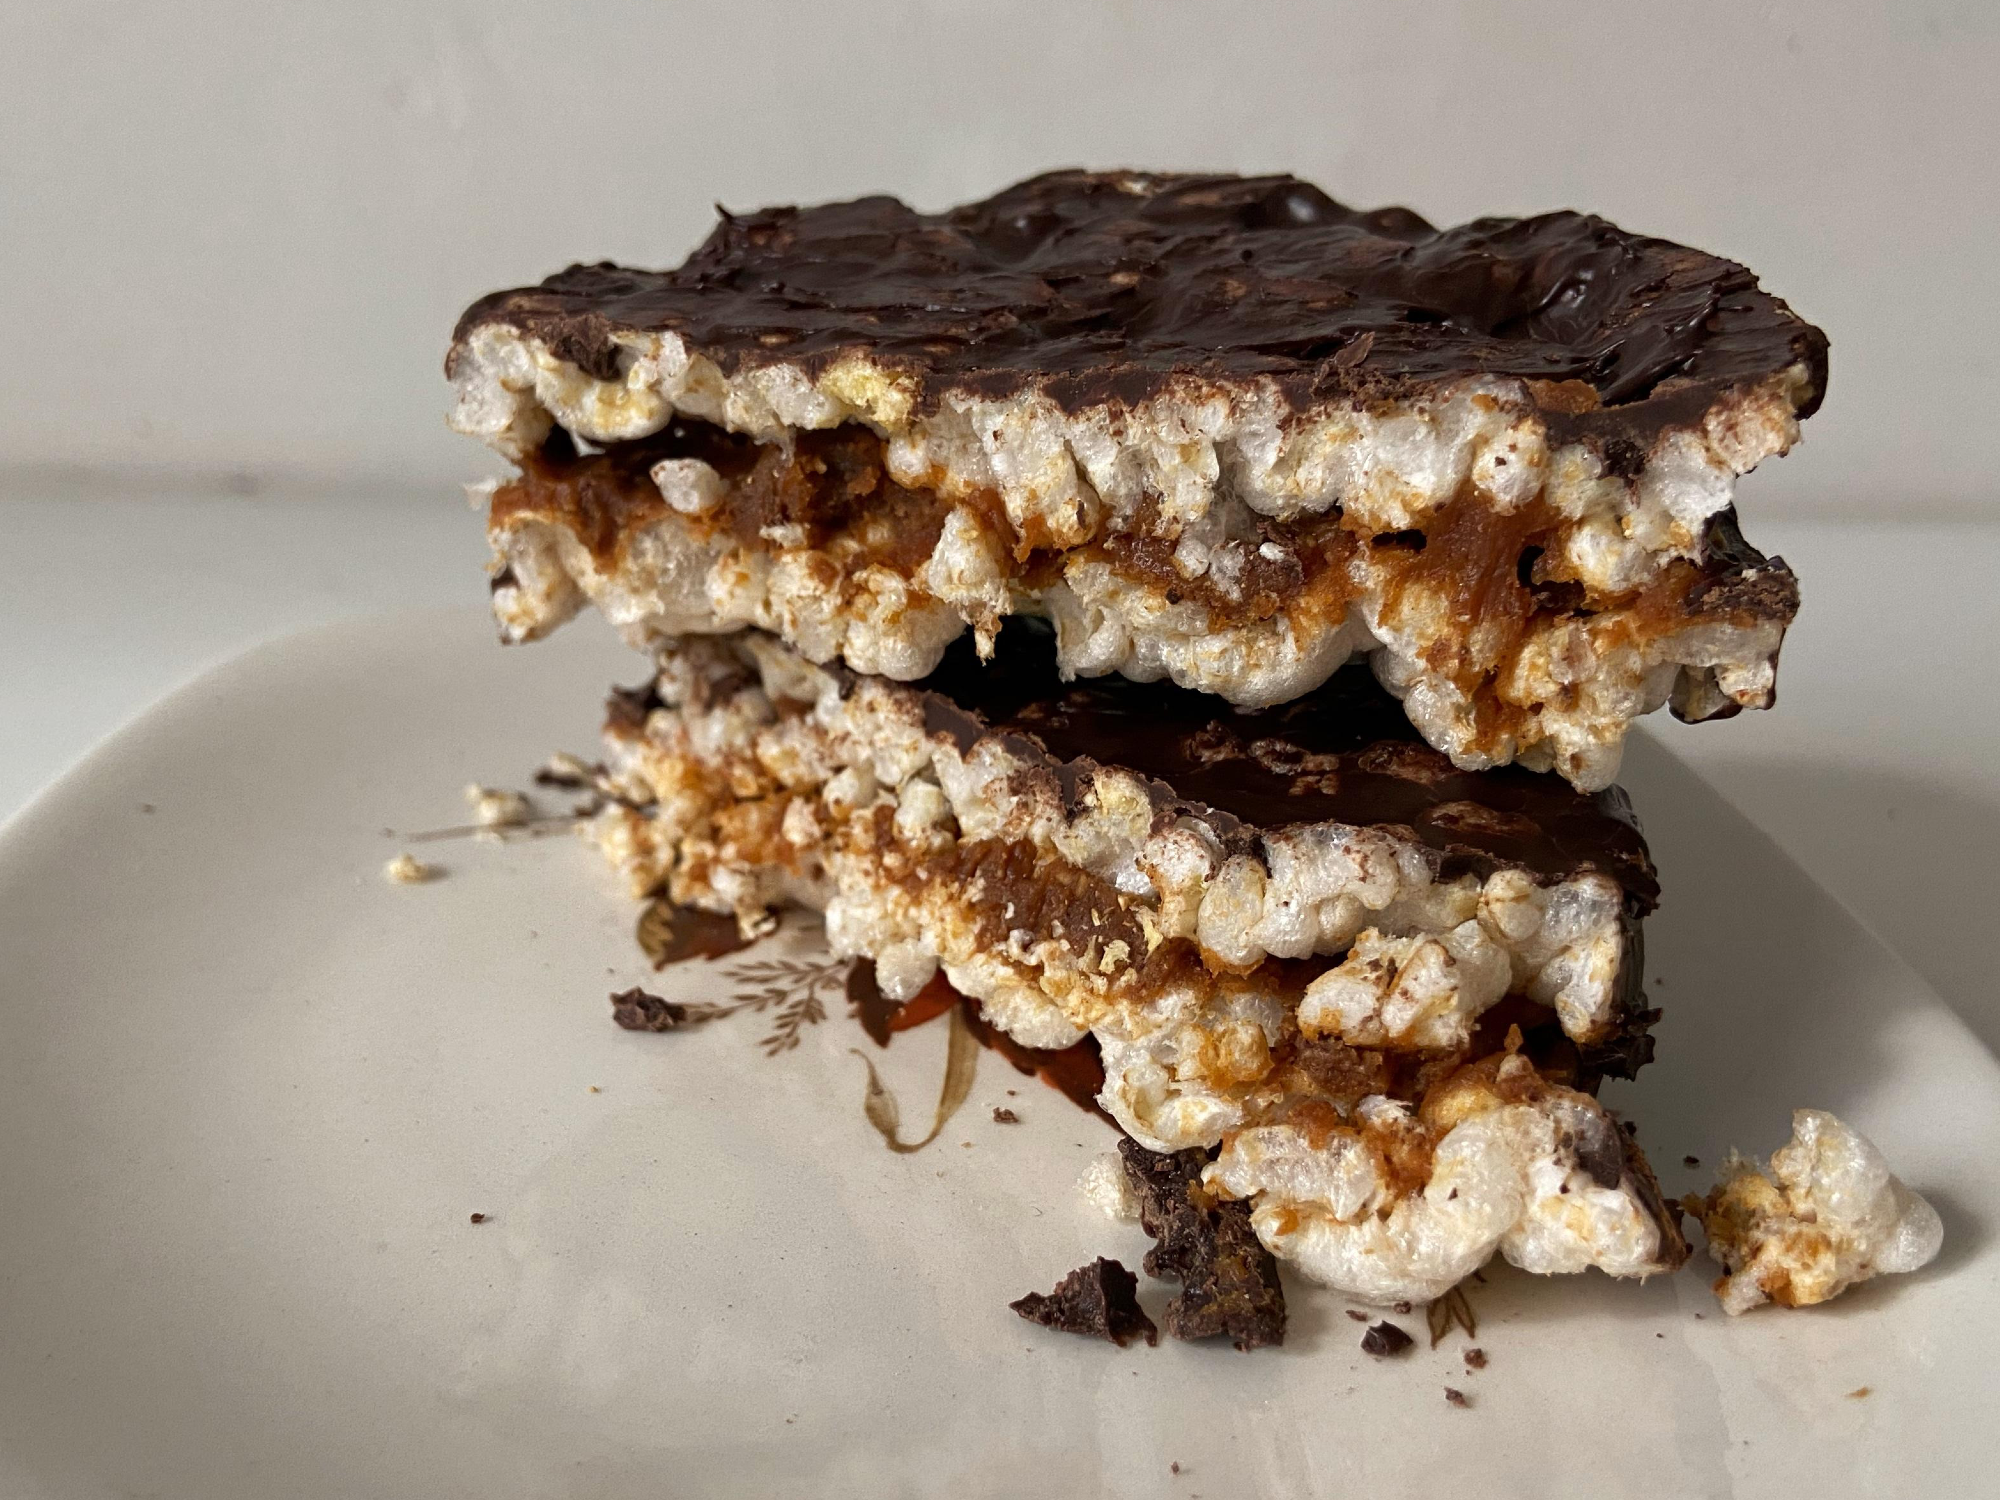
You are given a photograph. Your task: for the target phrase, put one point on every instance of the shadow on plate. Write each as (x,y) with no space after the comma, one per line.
(1914,857)
(1769,1002)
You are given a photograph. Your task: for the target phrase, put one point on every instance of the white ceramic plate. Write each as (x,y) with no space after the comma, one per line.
(252,1094)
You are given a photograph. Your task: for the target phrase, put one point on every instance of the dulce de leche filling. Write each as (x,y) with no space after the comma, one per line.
(829,496)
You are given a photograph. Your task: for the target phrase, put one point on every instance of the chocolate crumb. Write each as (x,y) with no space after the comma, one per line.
(1690,1161)
(1174,1467)
(1859,1393)
(1456,1398)
(1357,1314)
(1385,1339)
(479,1218)
(637,1010)
(1229,1281)
(1100,1300)
(1003,1116)
(1475,1359)
(1403,1308)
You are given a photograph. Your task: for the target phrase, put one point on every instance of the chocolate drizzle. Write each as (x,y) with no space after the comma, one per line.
(1106,288)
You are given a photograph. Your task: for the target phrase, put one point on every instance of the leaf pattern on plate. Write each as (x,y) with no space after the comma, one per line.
(792,991)
(1451,1308)
(961,1065)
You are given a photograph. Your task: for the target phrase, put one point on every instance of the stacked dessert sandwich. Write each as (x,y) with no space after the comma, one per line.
(1200,622)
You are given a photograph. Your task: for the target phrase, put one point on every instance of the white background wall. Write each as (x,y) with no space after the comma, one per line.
(235,234)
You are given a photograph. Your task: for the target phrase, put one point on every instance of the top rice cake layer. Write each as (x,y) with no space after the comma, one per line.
(1224,430)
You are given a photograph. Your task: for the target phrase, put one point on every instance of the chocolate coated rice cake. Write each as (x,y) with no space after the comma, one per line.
(1221,430)
(1299,935)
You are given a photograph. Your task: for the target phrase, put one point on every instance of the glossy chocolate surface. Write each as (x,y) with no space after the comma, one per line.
(1105,287)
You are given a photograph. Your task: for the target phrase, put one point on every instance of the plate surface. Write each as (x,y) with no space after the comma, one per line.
(252,1094)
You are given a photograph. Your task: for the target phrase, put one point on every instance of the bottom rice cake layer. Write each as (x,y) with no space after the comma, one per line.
(1385,988)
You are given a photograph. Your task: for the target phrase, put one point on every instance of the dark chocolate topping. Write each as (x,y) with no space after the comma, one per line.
(1103,287)
(1344,752)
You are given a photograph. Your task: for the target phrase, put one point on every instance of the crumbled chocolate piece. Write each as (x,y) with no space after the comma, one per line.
(1004,1116)
(1690,1161)
(1166,1209)
(1456,1398)
(1403,1308)
(636,1010)
(1384,1339)
(1229,1281)
(1357,1314)
(479,1218)
(1475,1359)
(1100,1299)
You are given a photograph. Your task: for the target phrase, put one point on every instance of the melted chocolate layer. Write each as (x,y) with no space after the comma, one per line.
(1342,753)
(1105,287)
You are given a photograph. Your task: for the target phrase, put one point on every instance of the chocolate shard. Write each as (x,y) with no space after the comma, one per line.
(1229,1281)
(639,1010)
(1100,1300)
(1384,1339)
(1166,1210)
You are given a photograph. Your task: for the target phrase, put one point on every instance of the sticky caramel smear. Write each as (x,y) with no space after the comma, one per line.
(670,934)
(1076,1072)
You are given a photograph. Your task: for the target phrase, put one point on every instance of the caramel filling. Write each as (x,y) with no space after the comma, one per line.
(1481,585)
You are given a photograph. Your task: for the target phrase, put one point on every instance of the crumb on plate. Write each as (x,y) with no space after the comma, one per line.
(407,869)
